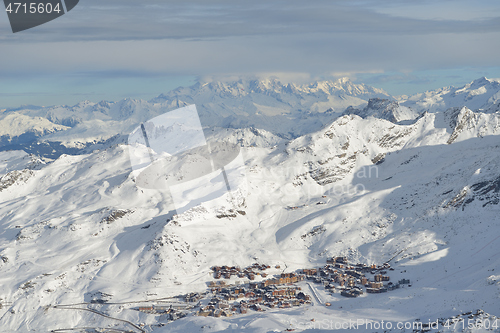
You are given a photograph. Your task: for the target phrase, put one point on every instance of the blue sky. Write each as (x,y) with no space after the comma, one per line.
(108,50)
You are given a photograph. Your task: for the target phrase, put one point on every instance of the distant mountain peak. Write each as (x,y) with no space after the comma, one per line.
(275,85)
(343,80)
(481,81)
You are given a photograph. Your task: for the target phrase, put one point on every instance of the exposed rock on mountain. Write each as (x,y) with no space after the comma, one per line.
(384,109)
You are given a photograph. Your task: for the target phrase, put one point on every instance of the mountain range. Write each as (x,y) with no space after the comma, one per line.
(285,110)
(410,181)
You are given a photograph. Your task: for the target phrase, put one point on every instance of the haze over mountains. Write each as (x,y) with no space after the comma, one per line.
(286,110)
(411,180)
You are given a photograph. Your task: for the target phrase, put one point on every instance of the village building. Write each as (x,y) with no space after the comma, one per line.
(380,277)
(310,271)
(404,281)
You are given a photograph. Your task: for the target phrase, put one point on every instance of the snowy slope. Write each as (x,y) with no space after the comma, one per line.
(424,195)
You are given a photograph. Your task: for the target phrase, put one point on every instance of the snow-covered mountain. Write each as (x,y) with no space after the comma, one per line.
(270,97)
(481,94)
(422,195)
(384,109)
(21,128)
(286,110)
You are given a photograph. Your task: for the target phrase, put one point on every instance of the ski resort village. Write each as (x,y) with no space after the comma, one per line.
(235,291)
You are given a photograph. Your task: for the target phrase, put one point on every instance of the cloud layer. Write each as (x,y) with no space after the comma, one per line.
(124,38)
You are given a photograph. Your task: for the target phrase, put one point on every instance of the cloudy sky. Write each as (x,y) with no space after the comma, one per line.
(111,49)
